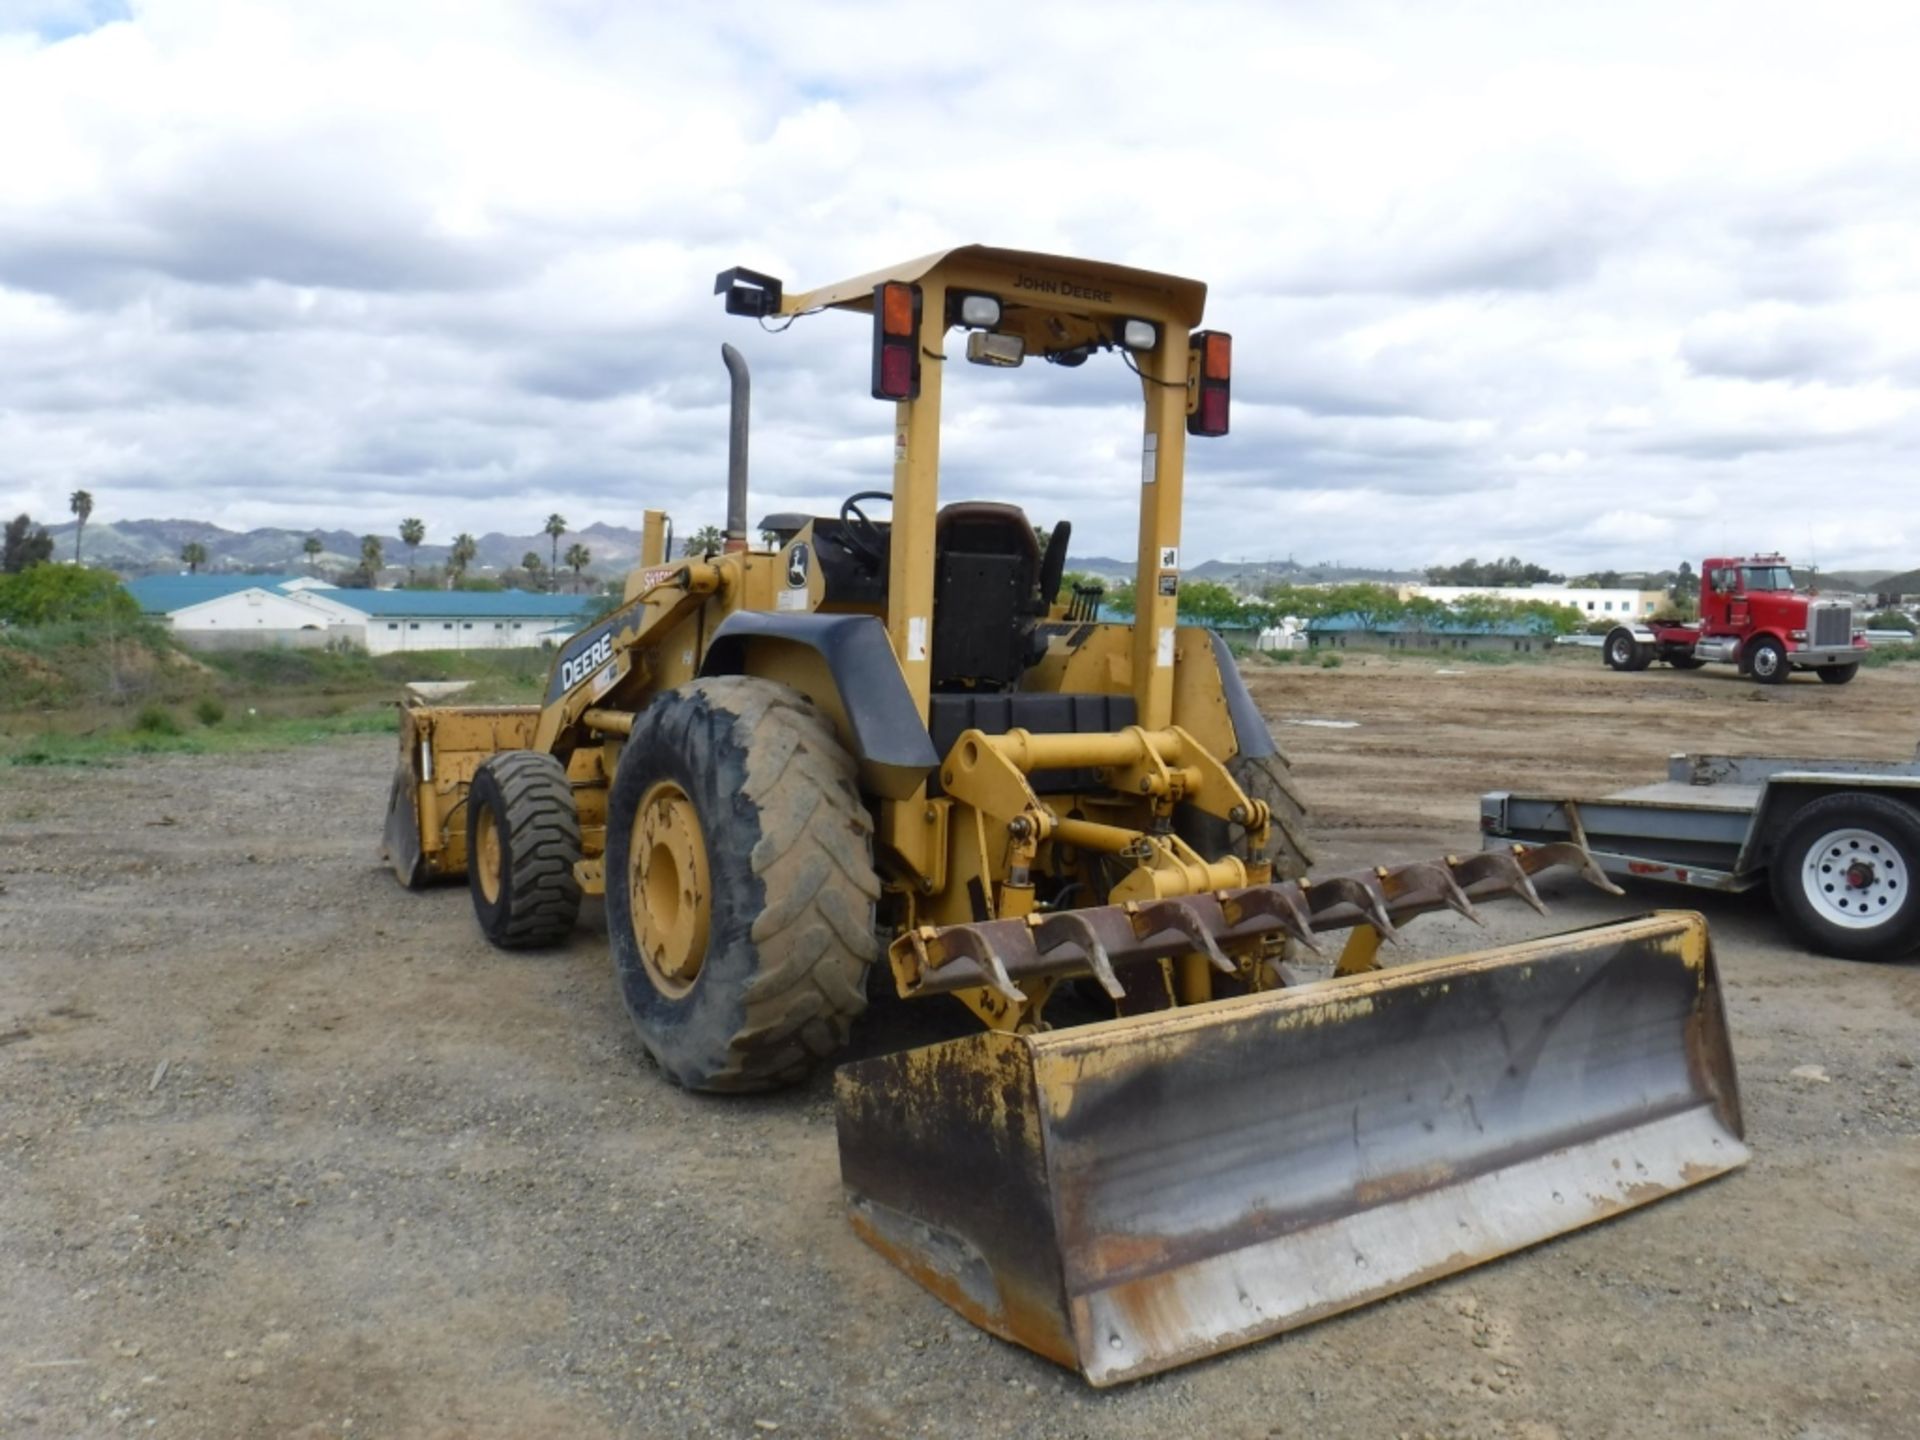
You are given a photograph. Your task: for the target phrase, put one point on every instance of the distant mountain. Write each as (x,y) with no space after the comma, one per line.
(143,547)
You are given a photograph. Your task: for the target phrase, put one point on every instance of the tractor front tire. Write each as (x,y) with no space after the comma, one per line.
(1268,778)
(1837,674)
(523,839)
(1767,662)
(740,885)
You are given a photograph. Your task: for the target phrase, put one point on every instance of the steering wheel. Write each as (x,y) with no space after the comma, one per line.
(863,536)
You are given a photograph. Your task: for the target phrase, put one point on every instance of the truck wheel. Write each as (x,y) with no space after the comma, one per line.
(740,884)
(1623,652)
(523,838)
(1843,877)
(1270,779)
(1767,662)
(1685,662)
(1837,674)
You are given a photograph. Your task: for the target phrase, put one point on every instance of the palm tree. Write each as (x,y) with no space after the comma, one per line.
(193,555)
(533,565)
(707,540)
(81,503)
(412,532)
(459,557)
(372,557)
(579,557)
(555,527)
(313,547)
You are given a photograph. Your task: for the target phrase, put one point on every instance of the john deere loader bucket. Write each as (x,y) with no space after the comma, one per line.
(1126,1196)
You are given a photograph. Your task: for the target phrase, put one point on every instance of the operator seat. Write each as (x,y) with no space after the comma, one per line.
(986,595)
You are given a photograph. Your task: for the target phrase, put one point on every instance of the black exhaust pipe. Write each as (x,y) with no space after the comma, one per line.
(737,449)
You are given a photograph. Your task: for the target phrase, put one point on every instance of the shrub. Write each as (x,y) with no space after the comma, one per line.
(57,594)
(209,711)
(1329,660)
(155,720)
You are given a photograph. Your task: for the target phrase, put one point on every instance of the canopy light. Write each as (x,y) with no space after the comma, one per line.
(896,341)
(1209,381)
(975,311)
(986,349)
(1139,334)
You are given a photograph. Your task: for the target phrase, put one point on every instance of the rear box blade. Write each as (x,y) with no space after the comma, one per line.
(1127,1196)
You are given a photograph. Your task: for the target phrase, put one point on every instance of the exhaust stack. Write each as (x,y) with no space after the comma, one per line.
(737,449)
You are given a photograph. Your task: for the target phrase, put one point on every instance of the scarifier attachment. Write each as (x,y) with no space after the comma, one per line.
(1126,1196)
(998,953)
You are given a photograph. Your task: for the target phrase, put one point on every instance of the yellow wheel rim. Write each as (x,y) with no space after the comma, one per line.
(668,893)
(487,861)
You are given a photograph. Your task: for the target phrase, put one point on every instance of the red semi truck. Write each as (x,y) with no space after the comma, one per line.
(1750,616)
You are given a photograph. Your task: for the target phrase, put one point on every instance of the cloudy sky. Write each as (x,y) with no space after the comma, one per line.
(1600,285)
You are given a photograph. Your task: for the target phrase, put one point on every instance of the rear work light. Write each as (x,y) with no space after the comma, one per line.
(973,310)
(1209,381)
(896,341)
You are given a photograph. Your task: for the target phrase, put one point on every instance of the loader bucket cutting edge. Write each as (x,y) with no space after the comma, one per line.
(1127,1196)
(400,843)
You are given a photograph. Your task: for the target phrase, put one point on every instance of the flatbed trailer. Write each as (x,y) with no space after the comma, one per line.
(1837,842)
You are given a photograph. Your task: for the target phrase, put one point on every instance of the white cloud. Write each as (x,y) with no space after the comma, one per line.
(1572,284)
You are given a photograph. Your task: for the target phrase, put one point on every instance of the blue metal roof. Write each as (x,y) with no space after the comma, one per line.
(163,594)
(1350,623)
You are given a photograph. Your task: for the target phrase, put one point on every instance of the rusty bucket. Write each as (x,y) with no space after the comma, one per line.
(1126,1196)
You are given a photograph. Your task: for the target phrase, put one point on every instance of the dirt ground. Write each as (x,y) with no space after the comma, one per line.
(286,1151)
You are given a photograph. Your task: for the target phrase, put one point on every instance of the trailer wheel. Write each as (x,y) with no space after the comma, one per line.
(1844,874)
(1623,652)
(1767,661)
(740,884)
(1837,674)
(523,839)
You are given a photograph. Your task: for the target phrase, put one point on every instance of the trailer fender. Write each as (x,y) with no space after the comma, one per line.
(846,666)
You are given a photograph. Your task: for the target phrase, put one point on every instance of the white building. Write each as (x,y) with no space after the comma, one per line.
(221,611)
(1595,604)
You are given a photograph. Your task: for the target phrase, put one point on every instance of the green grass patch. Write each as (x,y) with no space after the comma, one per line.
(1881,656)
(249,732)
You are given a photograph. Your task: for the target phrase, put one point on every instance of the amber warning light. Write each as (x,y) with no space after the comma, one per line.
(896,341)
(1209,381)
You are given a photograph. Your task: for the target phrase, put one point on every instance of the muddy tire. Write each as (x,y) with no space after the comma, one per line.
(740,885)
(1844,874)
(1837,674)
(1767,662)
(523,839)
(1267,778)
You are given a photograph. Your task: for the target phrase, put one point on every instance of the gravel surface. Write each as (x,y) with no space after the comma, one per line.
(286,1151)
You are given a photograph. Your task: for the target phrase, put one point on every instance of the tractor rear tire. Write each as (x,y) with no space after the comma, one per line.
(1837,674)
(1622,652)
(523,840)
(1268,778)
(740,885)
(1767,662)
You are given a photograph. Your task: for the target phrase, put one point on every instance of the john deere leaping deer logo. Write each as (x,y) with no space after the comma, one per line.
(797,566)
